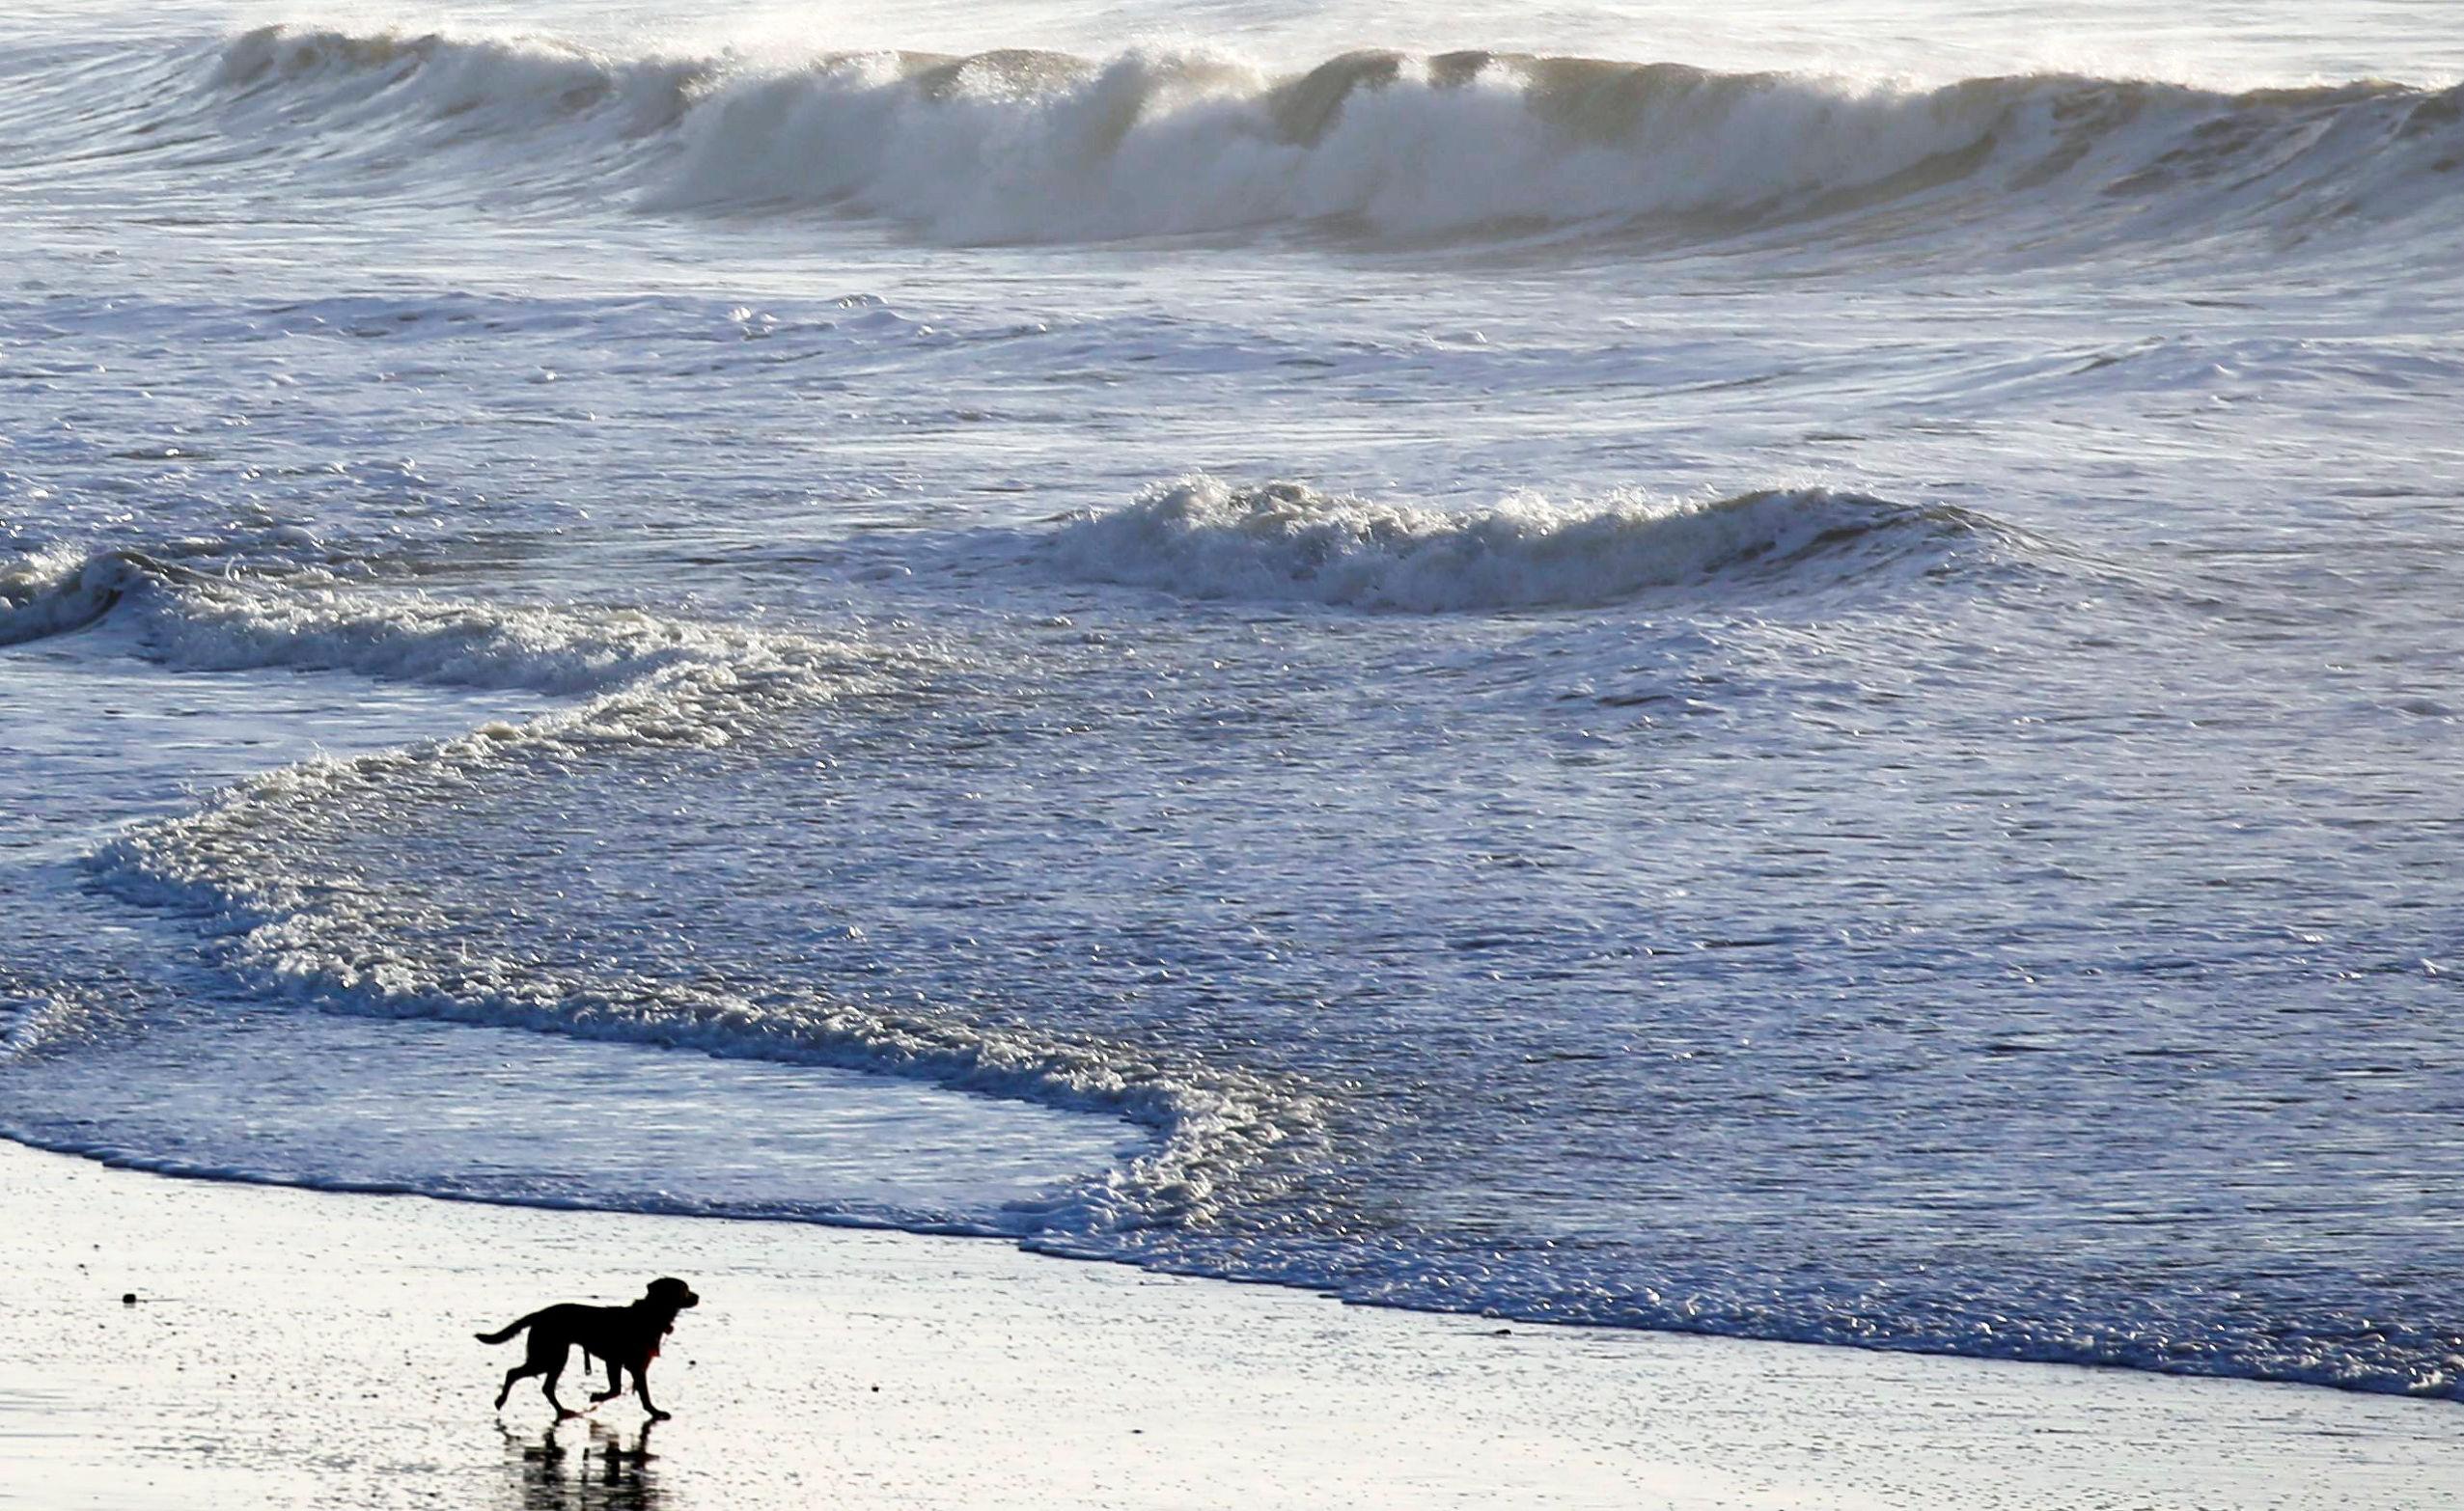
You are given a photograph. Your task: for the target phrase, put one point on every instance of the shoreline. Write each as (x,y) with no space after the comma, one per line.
(305,1348)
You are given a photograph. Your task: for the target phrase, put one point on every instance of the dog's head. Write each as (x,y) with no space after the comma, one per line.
(670,1292)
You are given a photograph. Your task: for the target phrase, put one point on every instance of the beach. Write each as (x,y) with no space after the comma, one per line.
(298,1349)
(1235,753)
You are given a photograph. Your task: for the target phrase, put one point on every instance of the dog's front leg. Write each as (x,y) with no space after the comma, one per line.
(641,1388)
(548,1388)
(615,1383)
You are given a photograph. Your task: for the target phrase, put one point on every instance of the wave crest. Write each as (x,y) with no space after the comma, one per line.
(58,589)
(1202,538)
(207,622)
(1020,145)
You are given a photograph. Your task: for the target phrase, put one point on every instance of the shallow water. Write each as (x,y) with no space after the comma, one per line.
(1808,694)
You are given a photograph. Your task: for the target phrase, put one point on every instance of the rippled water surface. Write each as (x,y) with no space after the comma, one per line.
(1602,666)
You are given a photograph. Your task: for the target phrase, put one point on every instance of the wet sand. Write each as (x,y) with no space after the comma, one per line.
(301,1349)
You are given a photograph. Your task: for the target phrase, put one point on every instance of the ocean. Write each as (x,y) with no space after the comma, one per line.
(1787,672)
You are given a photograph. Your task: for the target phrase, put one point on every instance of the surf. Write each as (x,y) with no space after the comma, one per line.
(1377,147)
(1203,537)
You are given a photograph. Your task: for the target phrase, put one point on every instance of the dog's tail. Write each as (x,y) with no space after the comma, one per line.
(508,1330)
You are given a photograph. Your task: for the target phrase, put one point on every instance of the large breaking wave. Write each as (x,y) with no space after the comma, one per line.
(1025,146)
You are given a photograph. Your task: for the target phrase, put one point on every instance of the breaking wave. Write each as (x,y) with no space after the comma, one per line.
(57,589)
(1202,538)
(1025,146)
(631,663)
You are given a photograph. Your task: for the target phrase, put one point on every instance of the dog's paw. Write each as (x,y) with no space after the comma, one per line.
(660,1416)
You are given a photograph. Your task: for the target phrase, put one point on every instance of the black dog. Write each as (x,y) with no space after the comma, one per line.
(627,1337)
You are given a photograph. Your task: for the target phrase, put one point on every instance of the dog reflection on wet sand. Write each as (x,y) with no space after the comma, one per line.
(602,1473)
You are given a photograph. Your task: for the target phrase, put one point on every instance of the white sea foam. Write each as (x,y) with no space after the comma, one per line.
(1202,538)
(637,682)
(295,931)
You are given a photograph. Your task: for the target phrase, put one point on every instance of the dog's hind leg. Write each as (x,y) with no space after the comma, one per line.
(513,1377)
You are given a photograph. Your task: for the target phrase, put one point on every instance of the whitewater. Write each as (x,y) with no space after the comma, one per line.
(1790,676)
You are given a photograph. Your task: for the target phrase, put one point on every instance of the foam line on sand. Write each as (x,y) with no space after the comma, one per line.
(293,1348)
